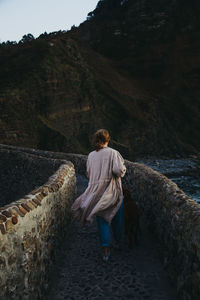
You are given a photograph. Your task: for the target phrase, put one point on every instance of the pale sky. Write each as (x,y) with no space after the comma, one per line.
(19,17)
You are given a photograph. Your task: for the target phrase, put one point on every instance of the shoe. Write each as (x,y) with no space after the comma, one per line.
(106,256)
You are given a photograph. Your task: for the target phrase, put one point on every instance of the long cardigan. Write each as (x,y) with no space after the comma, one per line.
(103,195)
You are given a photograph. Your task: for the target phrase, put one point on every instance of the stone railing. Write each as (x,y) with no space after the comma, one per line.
(78,160)
(31,228)
(172,216)
(175,220)
(170,213)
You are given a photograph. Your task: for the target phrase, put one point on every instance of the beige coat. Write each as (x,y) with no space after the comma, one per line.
(103,195)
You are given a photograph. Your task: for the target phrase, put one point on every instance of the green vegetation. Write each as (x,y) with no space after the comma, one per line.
(125,69)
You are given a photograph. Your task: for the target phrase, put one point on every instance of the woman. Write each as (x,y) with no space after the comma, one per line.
(103,197)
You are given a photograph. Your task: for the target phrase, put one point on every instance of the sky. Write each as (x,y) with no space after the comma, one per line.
(19,17)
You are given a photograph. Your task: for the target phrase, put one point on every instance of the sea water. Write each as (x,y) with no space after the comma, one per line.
(185,172)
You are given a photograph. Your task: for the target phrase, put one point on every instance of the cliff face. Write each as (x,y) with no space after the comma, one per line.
(133,67)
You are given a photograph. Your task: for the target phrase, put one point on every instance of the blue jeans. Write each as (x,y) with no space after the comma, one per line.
(117,227)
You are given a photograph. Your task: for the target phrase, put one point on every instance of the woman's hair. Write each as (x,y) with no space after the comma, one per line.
(101,136)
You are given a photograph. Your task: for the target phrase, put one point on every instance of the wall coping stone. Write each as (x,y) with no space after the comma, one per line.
(18,209)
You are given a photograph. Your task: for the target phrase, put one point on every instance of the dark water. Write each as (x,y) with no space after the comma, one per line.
(184,172)
(190,185)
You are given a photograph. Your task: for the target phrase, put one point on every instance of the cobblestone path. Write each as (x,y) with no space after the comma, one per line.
(80,274)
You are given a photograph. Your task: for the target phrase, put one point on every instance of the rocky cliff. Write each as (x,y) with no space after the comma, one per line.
(133,67)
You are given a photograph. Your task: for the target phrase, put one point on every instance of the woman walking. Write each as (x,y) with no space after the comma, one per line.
(103,197)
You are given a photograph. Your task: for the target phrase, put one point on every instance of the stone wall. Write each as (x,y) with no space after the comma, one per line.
(172,216)
(22,172)
(170,213)
(175,220)
(78,160)
(31,229)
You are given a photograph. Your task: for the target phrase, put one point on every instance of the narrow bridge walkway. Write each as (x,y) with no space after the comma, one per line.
(80,273)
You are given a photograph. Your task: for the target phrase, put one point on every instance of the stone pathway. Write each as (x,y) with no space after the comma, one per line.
(80,273)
